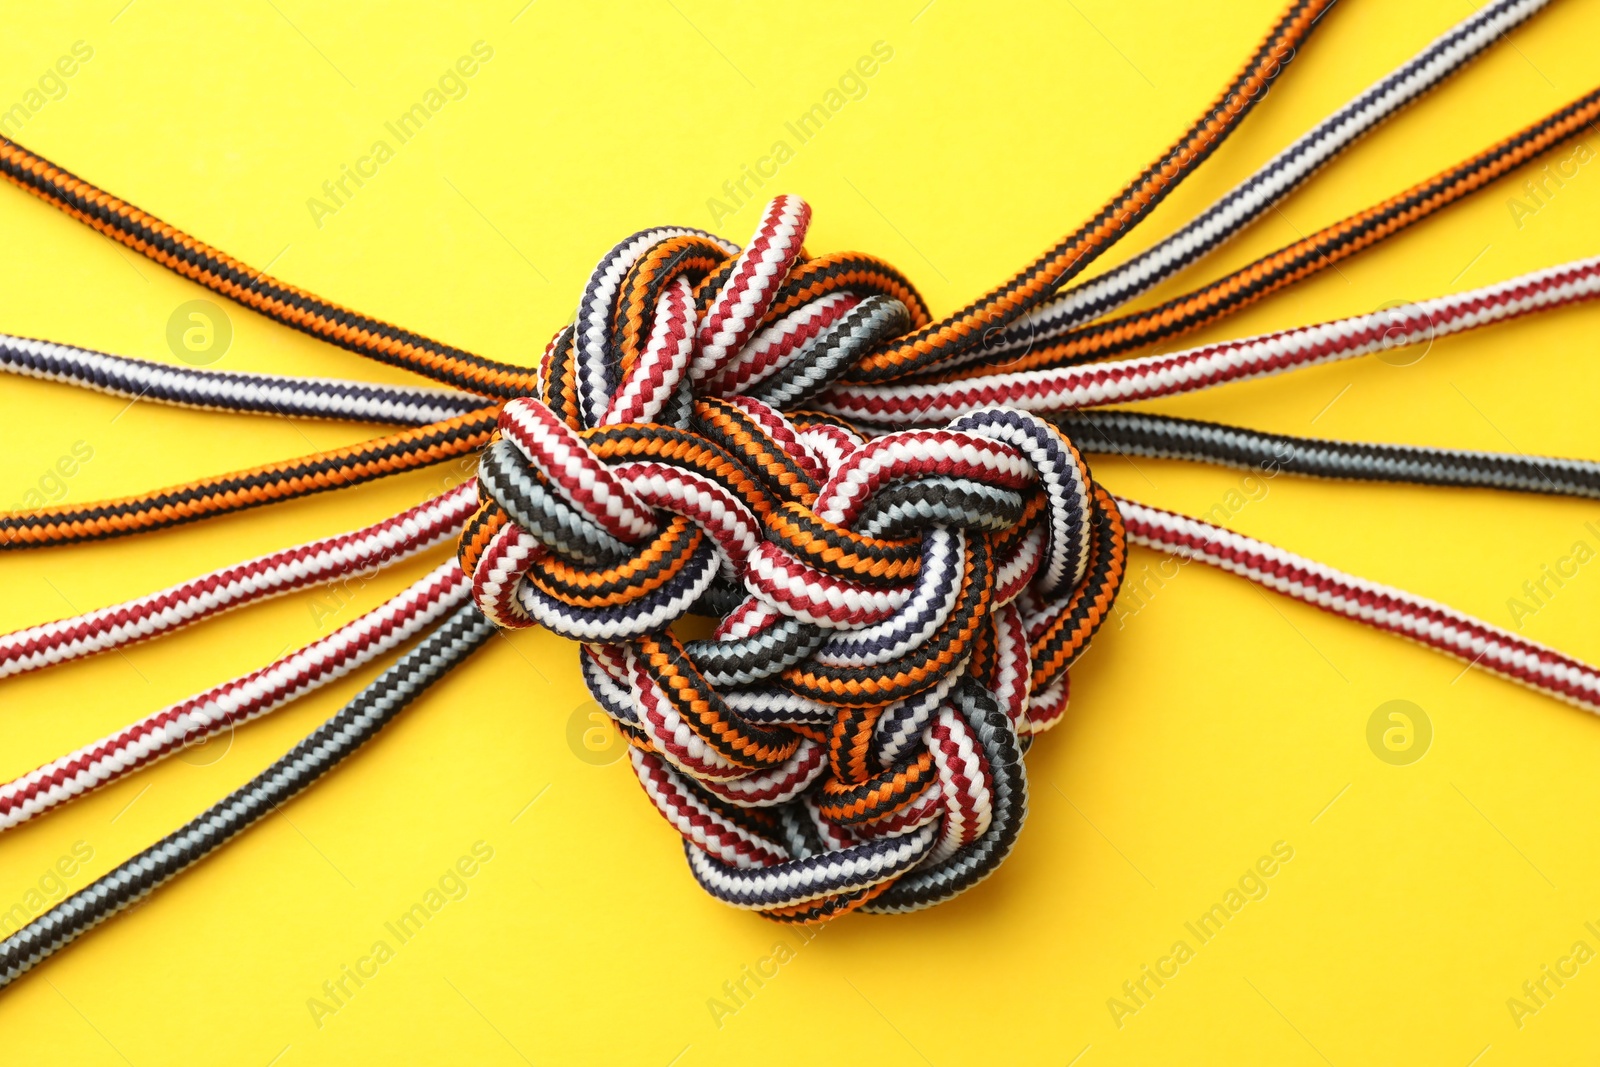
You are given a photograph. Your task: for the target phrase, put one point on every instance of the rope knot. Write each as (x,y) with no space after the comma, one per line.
(893,616)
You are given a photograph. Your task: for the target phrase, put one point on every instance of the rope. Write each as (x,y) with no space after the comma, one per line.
(1147,377)
(236,391)
(1168,437)
(891,305)
(328,559)
(1295,261)
(897,614)
(311,314)
(897,610)
(234,703)
(1423,621)
(930,346)
(130,882)
(1281,174)
(279,301)
(227,494)
(800,315)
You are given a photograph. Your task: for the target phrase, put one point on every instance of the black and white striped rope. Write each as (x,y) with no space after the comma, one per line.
(1138,433)
(1279,176)
(244,391)
(128,883)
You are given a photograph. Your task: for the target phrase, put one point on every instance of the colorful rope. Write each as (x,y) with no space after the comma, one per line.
(902,571)
(130,882)
(1147,377)
(929,347)
(1277,177)
(1423,621)
(1022,349)
(898,613)
(1035,342)
(233,703)
(314,563)
(227,494)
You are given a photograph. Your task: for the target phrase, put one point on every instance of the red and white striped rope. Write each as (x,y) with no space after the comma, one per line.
(223,706)
(430,523)
(1120,381)
(1425,621)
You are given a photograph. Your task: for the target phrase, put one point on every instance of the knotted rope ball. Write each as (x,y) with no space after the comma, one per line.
(895,615)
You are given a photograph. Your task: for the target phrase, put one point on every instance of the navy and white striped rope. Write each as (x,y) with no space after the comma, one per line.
(242,391)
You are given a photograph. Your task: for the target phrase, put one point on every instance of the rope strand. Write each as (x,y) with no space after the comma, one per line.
(328,559)
(932,345)
(1424,621)
(192,721)
(257,290)
(227,494)
(1168,437)
(325,748)
(1145,377)
(236,391)
(1283,173)
(1295,261)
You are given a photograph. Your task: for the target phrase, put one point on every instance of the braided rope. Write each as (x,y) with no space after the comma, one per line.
(1169,437)
(279,301)
(1171,374)
(222,707)
(895,616)
(1280,175)
(928,347)
(131,881)
(226,494)
(1424,621)
(311,314)
(274,574)
(324,396)
(1295,261)
(866,302)
(239,391)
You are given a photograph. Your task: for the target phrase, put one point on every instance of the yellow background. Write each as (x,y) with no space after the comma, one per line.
(1205,726)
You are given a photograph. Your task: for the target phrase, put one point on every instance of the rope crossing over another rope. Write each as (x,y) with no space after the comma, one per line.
(899,544)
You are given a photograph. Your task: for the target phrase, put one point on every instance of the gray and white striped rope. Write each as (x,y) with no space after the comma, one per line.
(1168,437)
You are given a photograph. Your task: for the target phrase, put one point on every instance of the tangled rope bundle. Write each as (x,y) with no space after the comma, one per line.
(829,559)
(896,615)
